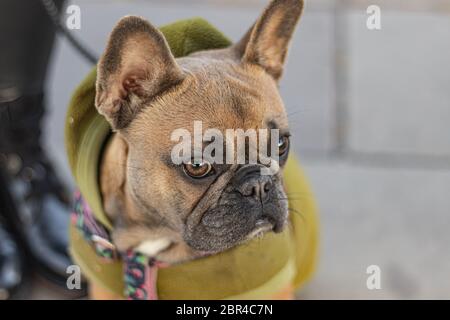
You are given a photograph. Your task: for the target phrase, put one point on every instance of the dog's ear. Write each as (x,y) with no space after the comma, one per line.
(267,42)
(136,67)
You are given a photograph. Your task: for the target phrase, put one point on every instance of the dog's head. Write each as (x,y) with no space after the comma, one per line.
(146,94)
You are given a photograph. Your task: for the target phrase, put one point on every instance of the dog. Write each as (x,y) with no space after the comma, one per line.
(177,213)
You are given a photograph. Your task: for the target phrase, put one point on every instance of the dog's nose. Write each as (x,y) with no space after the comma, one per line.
(252,184)
(256,188)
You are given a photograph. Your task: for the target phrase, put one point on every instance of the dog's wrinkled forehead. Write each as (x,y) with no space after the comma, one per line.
(138,70)
(222,94)
(245,90)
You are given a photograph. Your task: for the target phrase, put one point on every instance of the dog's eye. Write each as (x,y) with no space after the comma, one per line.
(198,170)
(283,145)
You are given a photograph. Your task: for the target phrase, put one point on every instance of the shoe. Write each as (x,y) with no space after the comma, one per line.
(11,264)
(38,202)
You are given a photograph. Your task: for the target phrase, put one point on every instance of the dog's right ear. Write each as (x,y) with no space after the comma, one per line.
(136,67)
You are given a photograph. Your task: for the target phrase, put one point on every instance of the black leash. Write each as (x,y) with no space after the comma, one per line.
(53,12)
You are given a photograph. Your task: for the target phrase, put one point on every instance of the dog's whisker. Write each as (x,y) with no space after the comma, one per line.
(298,213)
(291,198)
(300,196)
(294,193)
(296,112)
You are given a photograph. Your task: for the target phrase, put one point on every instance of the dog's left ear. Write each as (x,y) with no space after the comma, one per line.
(136,67)
(266,44)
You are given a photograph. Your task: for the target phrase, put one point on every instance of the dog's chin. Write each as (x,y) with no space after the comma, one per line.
(261,227)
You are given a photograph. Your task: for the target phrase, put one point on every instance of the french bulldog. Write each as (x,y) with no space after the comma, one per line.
(179,212)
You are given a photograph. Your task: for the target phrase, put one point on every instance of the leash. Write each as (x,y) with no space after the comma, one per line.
(140,271)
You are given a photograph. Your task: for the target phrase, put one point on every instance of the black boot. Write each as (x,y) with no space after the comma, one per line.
(39,202)
(11,265)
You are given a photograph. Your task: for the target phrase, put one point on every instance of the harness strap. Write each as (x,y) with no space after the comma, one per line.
(140,271)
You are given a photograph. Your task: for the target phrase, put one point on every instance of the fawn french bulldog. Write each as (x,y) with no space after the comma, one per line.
(178,212)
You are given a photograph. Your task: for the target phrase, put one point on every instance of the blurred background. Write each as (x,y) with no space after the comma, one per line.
(371,123)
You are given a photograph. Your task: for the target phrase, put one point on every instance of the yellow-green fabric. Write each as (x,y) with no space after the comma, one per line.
(256,270)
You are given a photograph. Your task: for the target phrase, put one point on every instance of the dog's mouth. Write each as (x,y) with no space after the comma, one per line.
(217,238)
(261,227)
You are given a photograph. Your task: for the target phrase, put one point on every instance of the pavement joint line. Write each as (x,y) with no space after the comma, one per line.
(389,5)
(231,4)
(341,67)
(399,5)
(380,160)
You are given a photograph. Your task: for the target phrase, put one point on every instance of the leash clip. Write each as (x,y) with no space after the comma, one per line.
(105,248)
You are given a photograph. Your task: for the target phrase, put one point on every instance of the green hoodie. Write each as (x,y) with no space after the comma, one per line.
(256,270)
